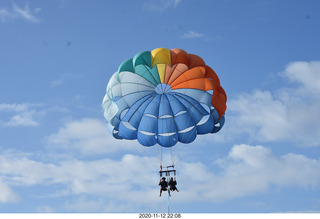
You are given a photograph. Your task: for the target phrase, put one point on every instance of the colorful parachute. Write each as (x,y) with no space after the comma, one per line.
(164,96)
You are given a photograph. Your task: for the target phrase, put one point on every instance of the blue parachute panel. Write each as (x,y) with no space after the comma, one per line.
(167,125)
(153,107)
(188,136)
(164,107)
(176,105)
(207,126)
(148,124)
(136,111)
(218,125)
(146,139)
(168,140)
(192,107)
(127,131)
(184,120)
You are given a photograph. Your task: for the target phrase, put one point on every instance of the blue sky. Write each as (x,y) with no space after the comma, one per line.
(56,58)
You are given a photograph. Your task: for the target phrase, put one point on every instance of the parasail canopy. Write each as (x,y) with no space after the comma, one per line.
(163,97)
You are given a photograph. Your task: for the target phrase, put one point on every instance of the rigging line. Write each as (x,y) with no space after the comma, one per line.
(160,150)
(153,151)
(159,155)
(138,148)
(146,151)
(172,160)
(168,204)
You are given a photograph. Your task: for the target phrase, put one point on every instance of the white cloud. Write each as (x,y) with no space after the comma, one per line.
(45,209)
(160,5)
(307,74)
(290,114)
(24,119)
(88,137)
(260,115)
(13,107)
(63,79)
(6,194)
(197,35)
(84,205)
(250,170)
(132,180)
(17,12)
(24,115)
(192,35)
(127,179)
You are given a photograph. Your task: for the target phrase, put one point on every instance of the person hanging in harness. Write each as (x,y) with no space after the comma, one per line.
(164,186)
(172,184)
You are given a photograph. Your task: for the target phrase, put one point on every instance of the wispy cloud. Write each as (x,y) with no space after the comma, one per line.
(63,79)
(23,119)
(20,115)
(160,5)
(13,107)
(17,12)
(192,35)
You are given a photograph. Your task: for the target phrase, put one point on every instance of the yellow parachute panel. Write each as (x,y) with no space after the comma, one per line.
(160,56)
(161,70)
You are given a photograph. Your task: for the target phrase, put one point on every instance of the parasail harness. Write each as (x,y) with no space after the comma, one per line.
(168,172)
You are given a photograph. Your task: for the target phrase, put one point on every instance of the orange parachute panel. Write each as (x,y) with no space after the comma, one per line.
(210,73)
(222,91)
(198,83)
(174,72)
(195,61)
(168,73)
(193,73)
(179,56)
(219,101)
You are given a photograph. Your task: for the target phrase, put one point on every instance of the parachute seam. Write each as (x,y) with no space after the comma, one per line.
(150,72)
(151,96)
(173,96)
(175,66)
(174,122)
(188,102)
(156,119)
